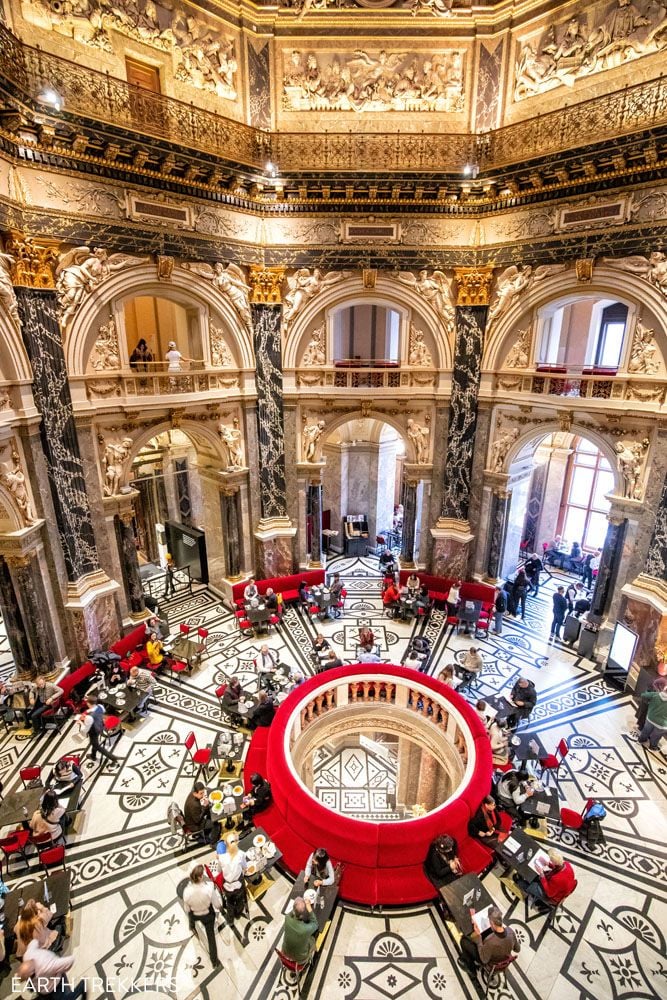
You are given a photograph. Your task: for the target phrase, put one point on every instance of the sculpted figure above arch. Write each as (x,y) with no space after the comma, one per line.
(436,289)
(418,353)
(304,285)
(81,270)
(229,280)
(515,280)
(653,268)
(7,293)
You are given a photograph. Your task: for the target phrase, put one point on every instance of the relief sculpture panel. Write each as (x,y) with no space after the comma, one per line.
(374,81)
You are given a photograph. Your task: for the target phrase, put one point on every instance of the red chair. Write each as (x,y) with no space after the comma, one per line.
(178,667)
(246,626)
(15,844)
(552,761)
(571,820)
(201,757)
(31,777)
(296,968)
(52,858)
(112,728)
(274,620)
(202,634)
(492,973)
(184,630)
(42,841)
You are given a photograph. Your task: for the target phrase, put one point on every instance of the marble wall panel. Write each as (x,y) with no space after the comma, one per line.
(13,621)
(487,103)
(259,82)
(274,557)
(656,562)
(266,321)
(450,557)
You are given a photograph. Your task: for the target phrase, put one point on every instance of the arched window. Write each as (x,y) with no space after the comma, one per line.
(367,335)
(159,321)
(589,478)
(584,336)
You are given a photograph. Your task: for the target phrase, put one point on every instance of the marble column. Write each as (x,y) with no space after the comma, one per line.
(232,528)
(130,564)
(498,520)
(452,535)
(428,776)
(315,506)
(13,619)
(409,501)
(26,578)
(275,532)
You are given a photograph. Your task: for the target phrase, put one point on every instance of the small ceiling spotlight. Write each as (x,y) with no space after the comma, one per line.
(471,170)
(52,98)
(271,168)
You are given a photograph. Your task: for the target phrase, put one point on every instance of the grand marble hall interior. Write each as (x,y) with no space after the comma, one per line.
(409,260)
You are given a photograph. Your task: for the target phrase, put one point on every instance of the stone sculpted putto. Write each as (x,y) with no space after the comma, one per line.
(13,479)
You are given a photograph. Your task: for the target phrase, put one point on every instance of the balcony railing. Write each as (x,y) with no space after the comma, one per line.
(367,378)
(155,380)
(582,386)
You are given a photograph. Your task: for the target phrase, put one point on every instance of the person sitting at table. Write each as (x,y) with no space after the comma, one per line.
(454,597)
(413,584)
(266,663)
(471,664)
(305,594)
(556,882)
(41,697)
(233,693)
(66,776)
(319,868)
(366,636)
(387,562)
(259,797)
(233,864)
(332,660)
(320,644)
(250,590)
(494,947)
(412,659)
(299,931)
(524,697)
(262,714)
(446,676)
(115,674)
(422,600)
(142,682)
(155,624)
(33,925)
(442,864)
(486,822)
(202,902)
(335,587)
(513,789)
(50,817)
(271,599)
(390,599)
(482,714)
(197,814)
(368,655)
(154,651)
(499,741)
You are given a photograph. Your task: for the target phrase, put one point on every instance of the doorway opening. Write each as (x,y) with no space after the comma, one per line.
(160,322)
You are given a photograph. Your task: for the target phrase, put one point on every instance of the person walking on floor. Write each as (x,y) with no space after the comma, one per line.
(520,590)
(560,610)
(499,609)
(655,726)
(92,725)
(202,904)
(169,588)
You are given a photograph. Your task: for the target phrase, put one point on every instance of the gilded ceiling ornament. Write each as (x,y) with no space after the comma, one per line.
(652,268)
(642,352)
(233,440)
(304,285)
(374,81)
(439,8)
(81,270)
(436,289)
(583,269)
(630,456)
(221,356)
(266,284)
(418,353)
(7,293)
(114,456)
(13,479)
(105,355)
(314,355)
(33,265)
(229,280)
(565,53)
(519,354)
(473,285)
(165,268)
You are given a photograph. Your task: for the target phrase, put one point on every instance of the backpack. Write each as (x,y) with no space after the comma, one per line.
(175,818)
(501,601)
(597,811)
(97,715)
(591,834)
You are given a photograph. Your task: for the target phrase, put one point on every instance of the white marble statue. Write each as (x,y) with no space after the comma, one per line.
(221,356)
(303,285)
(114,456)
(314,355)
(106,353)
(643,351)
(509,284)
(230,280)
(81,270)
(500,448)
(419,355)
(436,289)
(7,293)
(419,435)
(653,267)
(310,438)
(232,437)
(630,460)
(13,479)
(519,354)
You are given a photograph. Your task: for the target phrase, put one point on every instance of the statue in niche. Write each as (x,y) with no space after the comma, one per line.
(7,293)
(314,355)
(106,353)
(304,285)
(13,479)
(630,460)
(501,447)
(233,440)
(221,356)
(519,355)
(310,438)
(230,280)
(419,437)
(114,456)
(436,289)
(642,353)
(81,270)
(418,353)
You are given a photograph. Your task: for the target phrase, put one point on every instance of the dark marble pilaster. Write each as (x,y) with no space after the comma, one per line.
(43,341)
(409,501)
(259,83)
(29,588)
(498,518)
(232,529)
(315,508)
(13,619)
(470,326)
(487,100)
(608,570)
(266,320)
(656,561)
(129,561)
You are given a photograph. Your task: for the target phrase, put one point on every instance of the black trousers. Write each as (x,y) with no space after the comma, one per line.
(469,954)
(208,920)
(97,747)
(234,903)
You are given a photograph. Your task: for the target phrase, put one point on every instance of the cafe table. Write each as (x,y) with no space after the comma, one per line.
(53,892)
(464,894)
(259,617)
(185,649)
(527,746)
(468,615)
(323,906)
(227,802)
(229,751)
(120,700)
(502,708)
(19,805)
(544,803)
(516,851)
(257,884)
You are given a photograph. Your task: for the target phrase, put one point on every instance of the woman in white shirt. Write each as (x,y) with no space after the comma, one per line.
(319,865)
(174,357)
(454,596)
(202,902)
(233,865)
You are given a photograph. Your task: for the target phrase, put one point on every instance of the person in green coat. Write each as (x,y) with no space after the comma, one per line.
(655,726)
(299,931)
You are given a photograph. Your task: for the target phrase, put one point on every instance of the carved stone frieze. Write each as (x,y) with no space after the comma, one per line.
(653,268)
(304,285)
(101,388)
(221,356)
(81,270)
(374,81)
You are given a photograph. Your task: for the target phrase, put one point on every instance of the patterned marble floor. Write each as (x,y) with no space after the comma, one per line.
(607,944)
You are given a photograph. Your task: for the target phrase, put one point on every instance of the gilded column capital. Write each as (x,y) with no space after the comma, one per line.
(266,284)
(34,263)
(473,285)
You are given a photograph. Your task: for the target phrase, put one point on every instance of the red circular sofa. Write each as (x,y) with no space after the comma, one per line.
(382,862)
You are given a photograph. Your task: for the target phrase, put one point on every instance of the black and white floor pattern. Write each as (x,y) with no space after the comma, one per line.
(608,943)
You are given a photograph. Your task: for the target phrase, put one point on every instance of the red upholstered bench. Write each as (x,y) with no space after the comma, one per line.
(438,586)
(288,586)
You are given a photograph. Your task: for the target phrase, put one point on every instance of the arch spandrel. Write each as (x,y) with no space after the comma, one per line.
(608,282)
(537,434)
(185,287)
(350,291)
